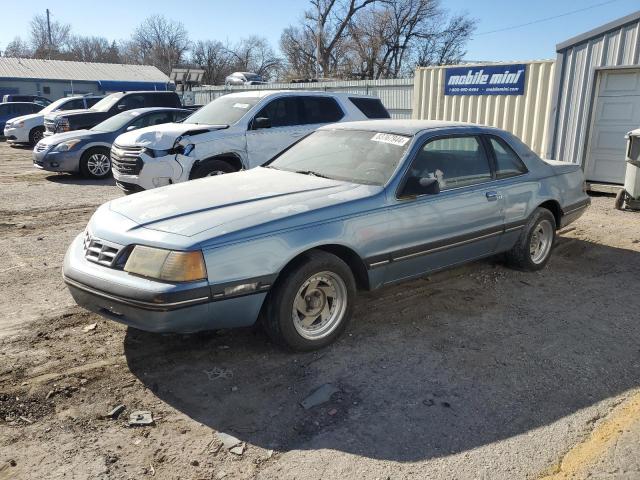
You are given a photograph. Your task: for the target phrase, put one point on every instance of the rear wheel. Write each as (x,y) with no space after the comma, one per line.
(312,302)
(533,249)
(35,135)
(212,168)
(95,163)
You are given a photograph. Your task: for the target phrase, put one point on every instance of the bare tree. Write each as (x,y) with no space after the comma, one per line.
(215,58)
(39,37)
(447,47)
(158,41)
(254,54)
(18,48)
(92,49)
(299,49)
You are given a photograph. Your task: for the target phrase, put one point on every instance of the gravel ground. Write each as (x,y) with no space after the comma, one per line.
(481,372)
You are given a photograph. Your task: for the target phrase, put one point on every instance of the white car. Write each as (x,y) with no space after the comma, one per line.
(30,128)
(234,132)
(244,78)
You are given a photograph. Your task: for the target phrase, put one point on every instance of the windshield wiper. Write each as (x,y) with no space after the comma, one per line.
(311,172)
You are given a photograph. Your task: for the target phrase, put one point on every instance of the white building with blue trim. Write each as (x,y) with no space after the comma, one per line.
(58,78)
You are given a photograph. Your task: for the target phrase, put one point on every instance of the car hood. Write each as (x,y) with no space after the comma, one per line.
(73,135)
(163,137)
(221,206)
(26,118)
(66,113)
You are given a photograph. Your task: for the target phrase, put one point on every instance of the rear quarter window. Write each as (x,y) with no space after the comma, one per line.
(370,107)
(508,164)
(320,110)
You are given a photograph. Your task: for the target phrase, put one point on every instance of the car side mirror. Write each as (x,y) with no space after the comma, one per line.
(421,186)
(131,127)
(261,122)
(121,106)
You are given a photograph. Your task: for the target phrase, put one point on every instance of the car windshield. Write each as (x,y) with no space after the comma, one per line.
(55,105)
(252,76)
(225,110)
(356,156)
(106,103)
(116,122)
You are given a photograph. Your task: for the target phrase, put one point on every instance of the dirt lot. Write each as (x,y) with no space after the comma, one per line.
(483,372)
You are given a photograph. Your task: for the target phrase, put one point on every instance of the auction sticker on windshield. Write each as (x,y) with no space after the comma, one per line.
(244,106)
(398,140)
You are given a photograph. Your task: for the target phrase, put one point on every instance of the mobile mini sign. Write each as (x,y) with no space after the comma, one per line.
(486,80)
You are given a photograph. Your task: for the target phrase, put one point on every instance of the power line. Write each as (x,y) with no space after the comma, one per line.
(513,27)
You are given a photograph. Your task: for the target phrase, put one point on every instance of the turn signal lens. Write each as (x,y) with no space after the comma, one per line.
(166,264)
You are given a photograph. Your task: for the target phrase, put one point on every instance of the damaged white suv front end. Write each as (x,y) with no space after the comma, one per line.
(234,132)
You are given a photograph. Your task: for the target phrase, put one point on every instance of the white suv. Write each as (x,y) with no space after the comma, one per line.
(30,128)
(236,131)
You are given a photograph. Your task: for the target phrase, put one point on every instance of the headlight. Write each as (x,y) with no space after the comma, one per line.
(66,146)
(18,125)
(166,264)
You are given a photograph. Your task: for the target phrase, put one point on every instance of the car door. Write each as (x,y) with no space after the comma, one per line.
(287,126)
(461,222)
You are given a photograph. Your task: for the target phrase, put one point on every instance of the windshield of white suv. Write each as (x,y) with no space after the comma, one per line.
(225,110)
(106,103)
(356,156)
(54,106)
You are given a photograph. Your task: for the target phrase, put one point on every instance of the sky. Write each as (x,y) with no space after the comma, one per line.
(227,20)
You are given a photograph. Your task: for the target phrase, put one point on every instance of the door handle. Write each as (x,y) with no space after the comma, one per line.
(493,196)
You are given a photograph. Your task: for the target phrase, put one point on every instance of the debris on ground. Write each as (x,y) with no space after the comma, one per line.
(116,411)
(216,373)
(319,396)
(140,418)
(90,327)
(239,450)
(228,441)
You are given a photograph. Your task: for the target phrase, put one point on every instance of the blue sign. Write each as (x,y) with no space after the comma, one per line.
(485,80)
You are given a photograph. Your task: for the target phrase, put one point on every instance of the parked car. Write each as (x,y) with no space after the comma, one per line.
(352,206)
(30,128)
(11,110)
(236,131)
(26,98)
(108,107)
(87,151)
(244,78)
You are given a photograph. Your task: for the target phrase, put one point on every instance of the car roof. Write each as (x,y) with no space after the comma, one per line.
(153,109)
(401,127)
(268,93)
(21,103)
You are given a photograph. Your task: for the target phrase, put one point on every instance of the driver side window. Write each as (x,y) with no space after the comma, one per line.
(455,162)
(283,112)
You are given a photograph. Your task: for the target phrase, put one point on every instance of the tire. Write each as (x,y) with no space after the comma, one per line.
(621,197)
(540,229)
(331,300)
(212,168)
(35,135)
(95,163)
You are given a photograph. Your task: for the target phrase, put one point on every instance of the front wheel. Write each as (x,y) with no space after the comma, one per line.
(312,302)
(95,164)
(533,249)
(212,168)
(35,135)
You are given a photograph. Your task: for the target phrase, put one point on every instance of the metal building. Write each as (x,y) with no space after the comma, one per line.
(54,79)
(596,99)
(457,93)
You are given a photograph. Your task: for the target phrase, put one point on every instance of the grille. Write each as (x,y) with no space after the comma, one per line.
(100,251)
(126,160)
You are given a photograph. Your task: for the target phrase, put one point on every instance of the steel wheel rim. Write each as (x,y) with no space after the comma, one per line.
(319,305)
(540,243)
(98,164)
(37,136)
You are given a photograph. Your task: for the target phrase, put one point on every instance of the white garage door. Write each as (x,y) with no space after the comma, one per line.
(617,111)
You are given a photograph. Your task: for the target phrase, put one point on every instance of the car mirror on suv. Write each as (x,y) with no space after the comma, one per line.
(261,122)
(121,106)
(131,127)
(421,186)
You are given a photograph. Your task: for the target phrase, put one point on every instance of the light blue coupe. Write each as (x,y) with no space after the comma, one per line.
(351,206)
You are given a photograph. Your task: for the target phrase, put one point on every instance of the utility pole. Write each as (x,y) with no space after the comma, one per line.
(318,43)
(49,33)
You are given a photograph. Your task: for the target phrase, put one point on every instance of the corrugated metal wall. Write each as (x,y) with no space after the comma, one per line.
(396,94)
(578,66)
(524,115)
